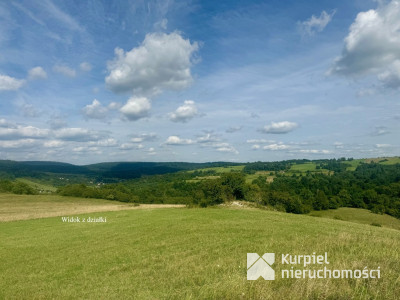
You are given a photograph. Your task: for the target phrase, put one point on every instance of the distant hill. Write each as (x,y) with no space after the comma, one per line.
(115,171)
(100,171)
(32,168)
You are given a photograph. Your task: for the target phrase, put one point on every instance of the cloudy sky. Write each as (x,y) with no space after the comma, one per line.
(92,81)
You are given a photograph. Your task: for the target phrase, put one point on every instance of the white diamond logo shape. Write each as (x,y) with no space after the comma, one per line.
(260,266)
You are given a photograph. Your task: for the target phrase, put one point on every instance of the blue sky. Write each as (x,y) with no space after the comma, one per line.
(92,81)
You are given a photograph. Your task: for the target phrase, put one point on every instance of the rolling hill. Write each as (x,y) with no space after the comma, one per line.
(184,253)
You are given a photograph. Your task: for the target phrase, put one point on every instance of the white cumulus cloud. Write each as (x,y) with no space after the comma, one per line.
(8,83)
(228,149)
(275,147)
(23,143)
(372,45)
(383,145)
(176,140)
(95,110)
(185,112)
(12,132)
(136,108)
(37,73)
(53,144)
(143,137)
(280,127)
(162,61)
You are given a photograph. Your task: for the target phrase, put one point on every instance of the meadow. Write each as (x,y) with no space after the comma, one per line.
(23,207)
(358,215)
(182,253)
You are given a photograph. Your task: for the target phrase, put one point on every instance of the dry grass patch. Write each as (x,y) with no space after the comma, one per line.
(25,207)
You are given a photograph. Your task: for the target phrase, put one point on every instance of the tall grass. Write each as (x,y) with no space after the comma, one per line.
(184,253)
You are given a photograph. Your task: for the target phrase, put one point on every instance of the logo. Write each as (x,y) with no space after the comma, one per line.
(297,267)
(260,266)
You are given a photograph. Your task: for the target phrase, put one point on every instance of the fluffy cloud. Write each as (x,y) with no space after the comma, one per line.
(4,123)
(23,143)
(185,112)
(275,147)
(211,140)
(53,144)
(372,45)
(136,108)
(85,149)
(8,83)
(144,137)
(11,132)
(227,148)
(383,145)
(85,66)
(37,73)
(208,139)
(95,110)
(390,78)
(280,127)
(64,70)
(338,145)
(107,142)
(175,140)
(129,146)
(161,62)
(315,24)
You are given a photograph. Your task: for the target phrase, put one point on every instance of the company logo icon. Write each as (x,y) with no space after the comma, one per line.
(260,266)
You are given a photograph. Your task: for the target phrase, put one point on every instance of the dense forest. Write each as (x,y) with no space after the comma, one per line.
(372,185)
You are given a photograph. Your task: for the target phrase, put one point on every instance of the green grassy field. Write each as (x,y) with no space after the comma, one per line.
(382,160)
(294,169)
(221,170)
(358,215)
(180,253)
(391,161)
(304,167)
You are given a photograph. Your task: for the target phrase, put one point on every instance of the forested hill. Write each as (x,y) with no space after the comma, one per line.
(295,186)
(100,171)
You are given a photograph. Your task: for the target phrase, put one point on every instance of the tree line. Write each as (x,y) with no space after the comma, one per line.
(372,186)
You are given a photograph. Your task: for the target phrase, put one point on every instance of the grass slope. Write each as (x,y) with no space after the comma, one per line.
(190,254)
(358,215)
(23,207)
